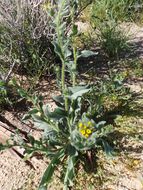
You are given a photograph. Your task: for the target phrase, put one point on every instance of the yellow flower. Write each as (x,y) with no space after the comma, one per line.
(82,132)
(80,125)
(85,127)
(88,131)
(86,135)
(89,123)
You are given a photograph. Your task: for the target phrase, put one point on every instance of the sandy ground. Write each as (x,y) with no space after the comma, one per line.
(15,174)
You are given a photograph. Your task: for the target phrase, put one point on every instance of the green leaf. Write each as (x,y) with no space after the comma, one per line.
(33,111)
(34,56)
(77,88)
(50,170)
(100,124)
(108,149)
(78,91)
(2,83)
(70,172)
(26,117)
(22,93)
(87,53)
(58,50)
(46,109)
(40,123)
(31,139)
(74,30)
(59,100)
(57,114)
(68,53)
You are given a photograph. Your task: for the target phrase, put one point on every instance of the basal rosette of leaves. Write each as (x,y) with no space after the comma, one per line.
(67,133)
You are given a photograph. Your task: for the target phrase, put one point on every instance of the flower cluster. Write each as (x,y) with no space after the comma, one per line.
(86,129)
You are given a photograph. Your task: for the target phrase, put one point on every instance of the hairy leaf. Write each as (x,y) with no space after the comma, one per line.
(70,172)
(87,53)
(50,170)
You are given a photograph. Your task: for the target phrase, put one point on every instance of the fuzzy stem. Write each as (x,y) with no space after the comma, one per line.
(66,104)
(75,66)
(64,89)
(63,77)
(74,48)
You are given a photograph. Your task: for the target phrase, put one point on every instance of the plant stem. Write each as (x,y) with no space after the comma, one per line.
(66,104)
(63,76)
(75,66)
(73,10)
(64,89)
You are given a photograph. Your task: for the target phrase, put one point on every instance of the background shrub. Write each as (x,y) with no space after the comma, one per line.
(119,10)
(112,39)
(105,19)
(25,37)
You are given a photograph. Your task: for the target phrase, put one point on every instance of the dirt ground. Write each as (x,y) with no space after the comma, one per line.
(124,172)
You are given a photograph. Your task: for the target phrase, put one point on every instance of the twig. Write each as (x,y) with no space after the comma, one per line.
(10,72)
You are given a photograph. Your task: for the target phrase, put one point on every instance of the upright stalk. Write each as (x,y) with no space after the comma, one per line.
(60,34)
(64,89)
(63,77)
(74,48)
(75,66)
(64,42)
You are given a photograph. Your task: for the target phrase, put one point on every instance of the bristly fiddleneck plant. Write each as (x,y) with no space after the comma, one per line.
(69,130)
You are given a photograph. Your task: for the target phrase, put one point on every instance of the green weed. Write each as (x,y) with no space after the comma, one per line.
(105,19)
(112,40)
